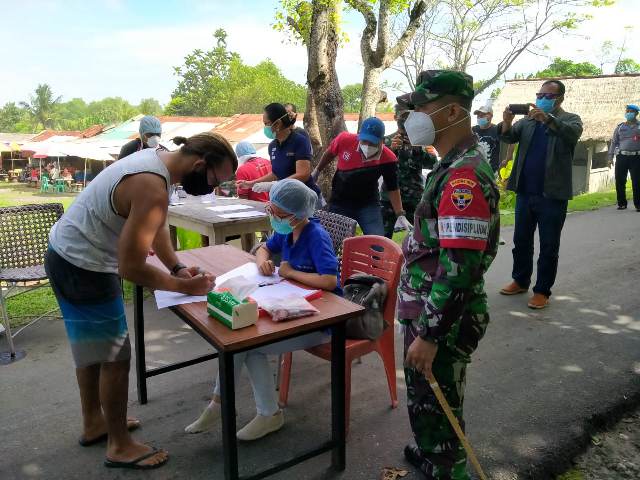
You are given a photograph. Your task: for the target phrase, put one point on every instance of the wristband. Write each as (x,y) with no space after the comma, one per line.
(401,213)
(177,267)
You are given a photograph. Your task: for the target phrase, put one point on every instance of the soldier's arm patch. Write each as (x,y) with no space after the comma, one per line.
(463,212)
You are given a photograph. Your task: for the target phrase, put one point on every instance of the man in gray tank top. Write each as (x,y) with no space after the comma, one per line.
(106,234)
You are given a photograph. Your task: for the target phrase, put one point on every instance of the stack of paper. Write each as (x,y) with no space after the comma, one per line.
(229,208)
(251,214)
(249,271)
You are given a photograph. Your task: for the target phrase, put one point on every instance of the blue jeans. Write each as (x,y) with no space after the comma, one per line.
(369,218)
(536,211)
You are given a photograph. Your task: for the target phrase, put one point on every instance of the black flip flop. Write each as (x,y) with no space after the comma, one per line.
(103,438)
(134,464)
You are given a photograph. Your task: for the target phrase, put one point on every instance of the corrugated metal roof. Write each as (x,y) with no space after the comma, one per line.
(19,138)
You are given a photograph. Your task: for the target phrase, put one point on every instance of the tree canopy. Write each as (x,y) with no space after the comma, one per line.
(217,82)
(562,67)
(45,110)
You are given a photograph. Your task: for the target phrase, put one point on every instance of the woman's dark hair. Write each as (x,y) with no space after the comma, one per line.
(276,111)
(212,147)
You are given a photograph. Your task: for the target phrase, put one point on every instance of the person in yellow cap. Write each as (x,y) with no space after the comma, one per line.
(442,303)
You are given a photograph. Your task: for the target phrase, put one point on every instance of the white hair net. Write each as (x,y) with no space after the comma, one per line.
(294,197)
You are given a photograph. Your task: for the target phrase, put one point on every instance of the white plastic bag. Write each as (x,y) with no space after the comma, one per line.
(287,308)
(240,287)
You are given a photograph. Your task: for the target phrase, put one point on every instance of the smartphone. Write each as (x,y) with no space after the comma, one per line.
(519,108)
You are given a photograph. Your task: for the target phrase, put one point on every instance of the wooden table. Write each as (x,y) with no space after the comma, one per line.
(193,215)
(334,311)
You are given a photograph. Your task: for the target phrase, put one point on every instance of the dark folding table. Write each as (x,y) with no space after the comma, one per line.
(333,312)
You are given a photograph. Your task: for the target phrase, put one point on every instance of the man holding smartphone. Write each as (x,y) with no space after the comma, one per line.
(541,178)
(411,161)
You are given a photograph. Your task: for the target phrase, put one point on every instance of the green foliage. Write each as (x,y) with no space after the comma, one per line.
(45,111)
(627,65)
(14,119)
(150,106)
(352,96)
(561,67)
(495,93)
(217,82)
(41,107)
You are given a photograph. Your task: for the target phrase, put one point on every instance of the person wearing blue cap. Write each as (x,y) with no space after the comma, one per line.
(307,257)
(625,145)
(362,160)
(251,167)
(150,130)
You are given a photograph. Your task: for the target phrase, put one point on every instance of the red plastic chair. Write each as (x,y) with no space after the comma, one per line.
(372,255)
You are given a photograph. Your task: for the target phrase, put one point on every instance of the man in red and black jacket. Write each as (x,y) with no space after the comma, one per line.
(362,160)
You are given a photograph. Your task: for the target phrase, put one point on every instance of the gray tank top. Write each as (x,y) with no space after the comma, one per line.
(87,234)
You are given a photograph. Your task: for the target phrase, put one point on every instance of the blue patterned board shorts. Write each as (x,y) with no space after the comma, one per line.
(93,312)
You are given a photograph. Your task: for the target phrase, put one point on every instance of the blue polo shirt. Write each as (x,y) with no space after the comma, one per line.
(284,156)
(311,253)
(531,181)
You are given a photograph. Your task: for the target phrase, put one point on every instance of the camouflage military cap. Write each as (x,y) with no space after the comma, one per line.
(434,84)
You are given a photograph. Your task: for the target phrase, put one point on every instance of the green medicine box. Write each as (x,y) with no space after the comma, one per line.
(230,311)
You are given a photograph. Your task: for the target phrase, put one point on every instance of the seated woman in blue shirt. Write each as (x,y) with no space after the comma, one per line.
(307,257)
(290,151)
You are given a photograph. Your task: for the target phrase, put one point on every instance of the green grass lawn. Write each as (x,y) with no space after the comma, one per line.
(35,303)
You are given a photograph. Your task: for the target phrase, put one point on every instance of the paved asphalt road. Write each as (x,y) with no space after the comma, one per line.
(539,382)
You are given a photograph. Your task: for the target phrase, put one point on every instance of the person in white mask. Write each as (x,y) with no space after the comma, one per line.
(441,298)
(362,160)
(150,131)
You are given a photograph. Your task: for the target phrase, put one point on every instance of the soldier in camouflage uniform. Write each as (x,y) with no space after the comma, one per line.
(442,303)
(411,161)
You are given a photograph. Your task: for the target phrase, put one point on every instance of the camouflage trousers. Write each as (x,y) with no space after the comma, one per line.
(389,216)
(445,458)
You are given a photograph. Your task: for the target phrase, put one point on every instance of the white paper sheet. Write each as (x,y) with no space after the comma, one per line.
(250,271)
(250,214)
(280,290)
(230,208)
(166,299)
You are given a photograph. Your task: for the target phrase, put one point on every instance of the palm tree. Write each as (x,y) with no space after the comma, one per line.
(42,106)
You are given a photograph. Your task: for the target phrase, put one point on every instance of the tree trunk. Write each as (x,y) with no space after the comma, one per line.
(371,94)
(324,115)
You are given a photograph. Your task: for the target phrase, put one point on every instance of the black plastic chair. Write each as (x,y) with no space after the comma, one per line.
(24,237)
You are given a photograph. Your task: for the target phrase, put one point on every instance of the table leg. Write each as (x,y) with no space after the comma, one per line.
(229,440)
(248,240)
(173,234)
(338,426)
(138,325)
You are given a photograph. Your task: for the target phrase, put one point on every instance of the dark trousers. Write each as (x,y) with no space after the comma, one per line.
(624,164)
(548,215)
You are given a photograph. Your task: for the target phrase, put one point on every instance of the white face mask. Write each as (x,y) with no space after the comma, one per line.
(153,142)
(420,128)
(368,150)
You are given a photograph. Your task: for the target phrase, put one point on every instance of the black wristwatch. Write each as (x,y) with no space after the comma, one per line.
(401,213)
(177,267)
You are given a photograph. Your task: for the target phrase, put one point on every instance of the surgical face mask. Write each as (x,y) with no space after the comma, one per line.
(196,183)
(369,150)
(280,225)
(268,129)
(546,104)
(153,142)
(630,116)
(421,130)
(268,132)
(483,122)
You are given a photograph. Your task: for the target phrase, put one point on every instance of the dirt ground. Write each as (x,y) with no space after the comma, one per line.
(613,455)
